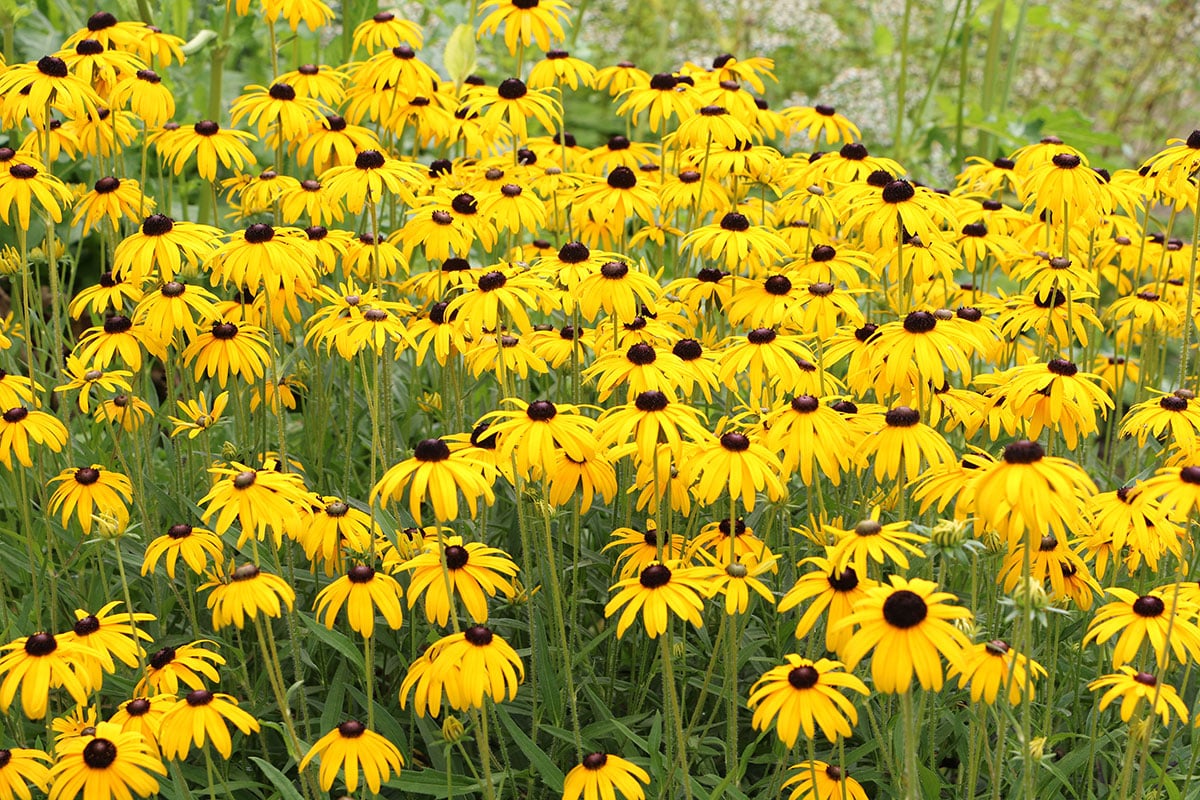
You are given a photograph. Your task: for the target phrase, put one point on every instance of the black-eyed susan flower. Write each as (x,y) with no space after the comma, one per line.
(1065,186)
(125,410)
(1056,395)
(921,340)
(276,108)
(909,627)
(766,360)
(643,548)
(196,546)
(466,666)
(364,592)
(176,310)
(1137,689)
(821,121)
(108,763)
(737,465)
(84,378)
(1027,490)
(19,427)
(190,664)
(198,415)
(592,475)
(1133,619)
(816,780)
(352,746)
(902,446)
(604,775)
(436,474)
(113,199)
(24,188)
(88,492)
(17,390)
(529,434)
(260,501)
(245,592)
(804,695)
(525,22)
(1177,414)
(736,244)
(368,178)
(830,592)
(472,571)
(228,350)
(619,289)
(658,591)
(42,85)
(200,718)
(161,248)
(118,338)
(105,635)
(812,438)
(736,580)
(991,666)
(21,767)
(210,144)
(144,715)
(35,665)
(871,540)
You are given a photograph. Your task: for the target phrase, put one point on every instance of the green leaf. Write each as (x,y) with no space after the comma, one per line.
(197,42)
(286,789)
(460,53)
(338,641)
(548,771)
(432,783)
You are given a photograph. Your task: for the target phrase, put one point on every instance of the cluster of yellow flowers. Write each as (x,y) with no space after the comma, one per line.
(864,339)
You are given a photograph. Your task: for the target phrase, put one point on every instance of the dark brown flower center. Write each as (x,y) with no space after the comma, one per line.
(1149,606)
(16,414)
(100,754)
(199,697)
(654,576)
(1024,452)
(431,450)
(904,609)
(804,677)
(86,626)
(541,411)
(735,222)
(595,761)
(360,573)
(478,635)
(735,442)
(86,476)
(902,417)
(351,729)
(41,644)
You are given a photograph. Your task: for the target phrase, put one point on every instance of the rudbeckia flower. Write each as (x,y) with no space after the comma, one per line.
(736,244)
(901,446)
(352,746)
(386,30)
(277,108)
(525,22)
(820,121)
(621,290)
(870,541)
(739,466)
(25,188)
(805,695)
(437,474)
(189,664)
(531,433)
(147,98)
(991,666)
(1136,689)
(196,546)
(228,349)
(36,664)
(19,426)
(88,492)
(200,717)
(19,768)
(604,775)
(1133,619)
(363,591)
(367,179)
(816,780)
(909,626)
(45,84)
(245,592)
(472,571)
(662,97)
(656,592)
(109,763)
(162,248)
(259,500)
(211,144)
(465,666)
(833,593)
(102,636)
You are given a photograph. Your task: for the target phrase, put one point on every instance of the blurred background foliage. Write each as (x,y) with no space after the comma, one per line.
(980,77)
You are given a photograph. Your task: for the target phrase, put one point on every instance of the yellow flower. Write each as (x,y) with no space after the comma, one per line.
(352,746)
(805,695)
(199,717)
(600,774)
(363,591)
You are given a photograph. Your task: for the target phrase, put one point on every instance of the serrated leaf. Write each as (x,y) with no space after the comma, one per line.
(460,53)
